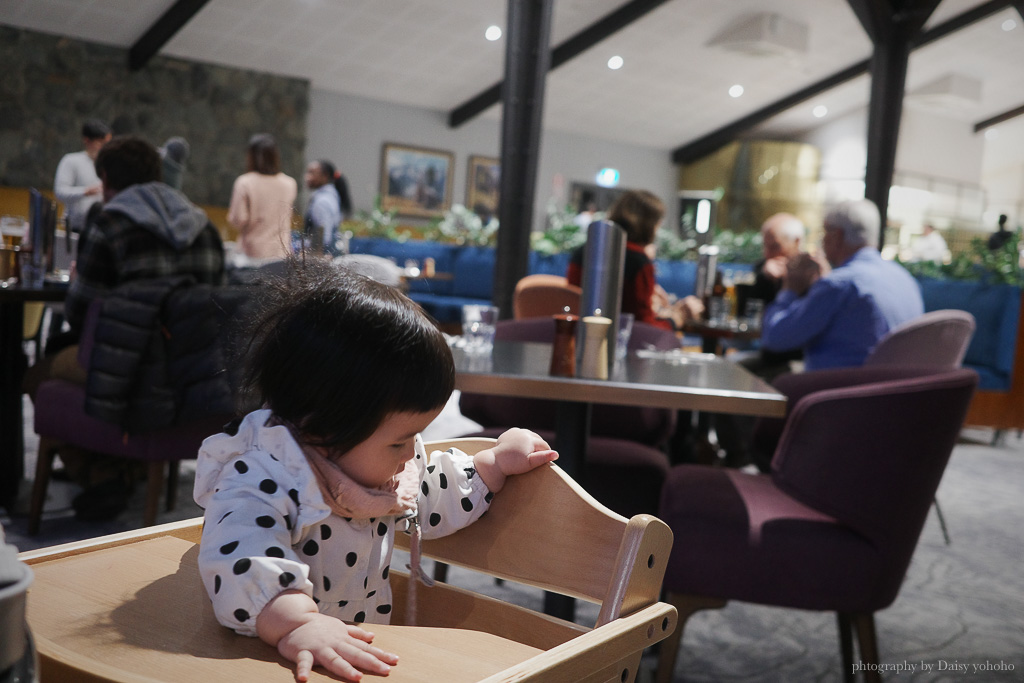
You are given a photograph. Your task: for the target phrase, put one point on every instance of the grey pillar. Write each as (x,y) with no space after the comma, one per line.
(526,65)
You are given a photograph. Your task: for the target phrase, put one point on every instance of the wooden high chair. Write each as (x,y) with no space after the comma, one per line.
(131,606)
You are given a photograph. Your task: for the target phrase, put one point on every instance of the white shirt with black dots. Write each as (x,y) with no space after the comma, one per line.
(267,528)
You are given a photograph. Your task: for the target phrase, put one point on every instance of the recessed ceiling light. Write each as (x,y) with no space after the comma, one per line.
(615,63)
(991,133)
(492,33)
(736,91)
(820,111)
(1009,25)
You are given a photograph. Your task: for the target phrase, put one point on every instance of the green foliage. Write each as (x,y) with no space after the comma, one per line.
(460,225)
(673,248)
(738,247)
(379,223)
(1001,266)
(561,234)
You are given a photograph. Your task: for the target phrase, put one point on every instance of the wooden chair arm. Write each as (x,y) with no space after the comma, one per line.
(603,654)
(187,529)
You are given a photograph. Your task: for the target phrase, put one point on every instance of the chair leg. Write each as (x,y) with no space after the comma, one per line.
(173,471)
(686,605)
(868,644)
(44,467)
(846,646)
(154,484)
(942,520)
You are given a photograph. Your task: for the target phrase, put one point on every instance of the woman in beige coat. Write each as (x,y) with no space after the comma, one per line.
(262,202)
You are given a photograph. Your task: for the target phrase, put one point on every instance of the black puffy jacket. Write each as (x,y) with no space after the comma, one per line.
(161,353)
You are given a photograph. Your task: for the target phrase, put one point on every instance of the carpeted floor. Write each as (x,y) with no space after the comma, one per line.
(960,611)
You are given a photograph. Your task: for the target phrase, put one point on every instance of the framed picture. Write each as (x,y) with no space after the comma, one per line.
(482,186)
(415,181)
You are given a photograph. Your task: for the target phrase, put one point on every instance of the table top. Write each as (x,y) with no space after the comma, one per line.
(731,329)
(15,293)
(139,612)
(678,379)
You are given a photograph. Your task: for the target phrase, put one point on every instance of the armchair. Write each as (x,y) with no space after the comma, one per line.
(835,523)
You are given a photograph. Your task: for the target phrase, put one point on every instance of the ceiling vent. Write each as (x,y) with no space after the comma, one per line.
(952,91)
(764,35)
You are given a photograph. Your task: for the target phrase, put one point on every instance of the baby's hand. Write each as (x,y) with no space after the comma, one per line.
(291,623)
(517,451)
(340,648)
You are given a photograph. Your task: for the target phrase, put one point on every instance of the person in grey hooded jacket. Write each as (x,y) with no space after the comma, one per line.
(146,229)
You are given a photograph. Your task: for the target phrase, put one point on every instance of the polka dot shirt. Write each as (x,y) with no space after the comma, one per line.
(267,528)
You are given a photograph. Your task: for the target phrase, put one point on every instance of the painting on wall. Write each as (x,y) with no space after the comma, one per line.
(415,181)
(482,186)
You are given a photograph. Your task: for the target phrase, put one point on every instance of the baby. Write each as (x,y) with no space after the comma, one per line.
(302,502)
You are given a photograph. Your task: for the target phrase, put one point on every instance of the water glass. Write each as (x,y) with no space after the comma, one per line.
(478,322)
(752,312)
(625,331)
(718,313)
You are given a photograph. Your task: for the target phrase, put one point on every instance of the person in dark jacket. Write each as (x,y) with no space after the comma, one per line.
(145,230)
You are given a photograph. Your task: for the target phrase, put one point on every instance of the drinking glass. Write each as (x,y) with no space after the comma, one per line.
(625,331)
(478,322)
(718,313)
(753,311)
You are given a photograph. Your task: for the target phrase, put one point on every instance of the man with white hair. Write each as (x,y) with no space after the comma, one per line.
(839,317)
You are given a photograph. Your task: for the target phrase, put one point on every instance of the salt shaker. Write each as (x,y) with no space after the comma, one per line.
(594,359)
(563,351)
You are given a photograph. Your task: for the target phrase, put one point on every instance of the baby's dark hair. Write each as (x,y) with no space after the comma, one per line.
(334,353)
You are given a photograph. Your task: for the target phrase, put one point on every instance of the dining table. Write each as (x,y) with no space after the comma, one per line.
(674,379)
(13,363)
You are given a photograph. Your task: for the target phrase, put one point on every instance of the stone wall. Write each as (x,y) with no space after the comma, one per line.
(49,85)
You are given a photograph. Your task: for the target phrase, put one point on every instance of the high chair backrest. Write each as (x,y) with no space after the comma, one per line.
(544,530)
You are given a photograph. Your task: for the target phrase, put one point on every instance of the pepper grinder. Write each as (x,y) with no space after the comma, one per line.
(594,358)
(563,351)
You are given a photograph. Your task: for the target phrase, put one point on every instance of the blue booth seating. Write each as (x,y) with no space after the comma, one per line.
(472,269)
(995,309)
(473,272)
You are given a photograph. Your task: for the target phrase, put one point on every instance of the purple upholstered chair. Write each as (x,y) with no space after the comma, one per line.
(625,443)
(834,525)
(61,420)
(938,339)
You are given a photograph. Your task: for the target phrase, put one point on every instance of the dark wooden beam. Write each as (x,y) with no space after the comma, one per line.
(717,139)
(962,20)
(874,17)
(999,118)
(1019,4)
(527,57)
(570,48)
(912,15)
(179,14)
(707,144)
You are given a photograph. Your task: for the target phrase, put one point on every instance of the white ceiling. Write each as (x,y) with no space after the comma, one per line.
(671,90)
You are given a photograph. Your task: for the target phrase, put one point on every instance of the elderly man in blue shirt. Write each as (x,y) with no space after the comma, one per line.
(838,318)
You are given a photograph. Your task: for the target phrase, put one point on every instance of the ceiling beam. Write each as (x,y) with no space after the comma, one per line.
(999,118)
(914,14)
(707,144)
(572,47)
(874,17)
(962,20)
(146,47)
(719,138)
(1019,4)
